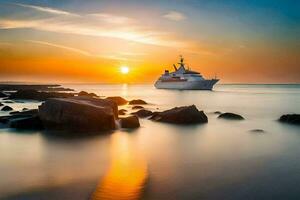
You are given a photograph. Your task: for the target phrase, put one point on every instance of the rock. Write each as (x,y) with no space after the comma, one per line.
(25,109)
(130,122)
(290,118)
(79,114)
(1,104)
(232,116)
(33,122)
(3,94)
(257,131)
(137,107)
(8,102)
(119,100)
(142,113)
(181,115)
(86,94)
(217,112)
(6,108)
(137,101)
(122,112)
(39,96)
(14,112)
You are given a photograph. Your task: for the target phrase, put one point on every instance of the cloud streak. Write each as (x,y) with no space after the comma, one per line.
(175,16)
(46,9)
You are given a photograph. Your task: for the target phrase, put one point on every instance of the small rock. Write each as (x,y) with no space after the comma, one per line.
(33,122)
(232,116)
(137,101)
(25,109)
(8,102)
(1,104)
(130,122)
(142,113)
(217,112)
(290,118)
(181,115)
(257,131)
(2,94)
(137,107)
(6,108)
(86,94)
(119,100)
(37,95)
(122,112)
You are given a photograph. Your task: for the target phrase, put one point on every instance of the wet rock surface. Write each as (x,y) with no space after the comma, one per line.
(290,119)
(130,122)
(119,100)
(137,102)
(78,114)
(32,123)
(142,113)
(231,116)
(122,112)
(181,115)
(37,95)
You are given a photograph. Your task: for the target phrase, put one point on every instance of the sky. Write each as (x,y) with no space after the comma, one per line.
(240,41)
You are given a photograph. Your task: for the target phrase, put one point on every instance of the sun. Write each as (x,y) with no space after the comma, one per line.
(124,69)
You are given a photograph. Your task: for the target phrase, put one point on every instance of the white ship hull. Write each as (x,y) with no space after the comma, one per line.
(187,85)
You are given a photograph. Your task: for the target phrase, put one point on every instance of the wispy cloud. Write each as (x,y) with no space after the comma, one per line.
(175,16)
(46,9)
(113,19)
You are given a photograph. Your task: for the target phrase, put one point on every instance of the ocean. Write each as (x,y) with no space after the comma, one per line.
(222,159)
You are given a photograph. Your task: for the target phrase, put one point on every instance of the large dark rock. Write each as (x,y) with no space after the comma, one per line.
(3,94)
(232,116)
(86,94)
(181,115)
(143,113)
(290,118)
(137,101)
(6,108)
(32,122)
(79,114)
(37,95)
(130,122)
(119,100)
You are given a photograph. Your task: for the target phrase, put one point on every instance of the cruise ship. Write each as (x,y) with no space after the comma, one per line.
(183,78)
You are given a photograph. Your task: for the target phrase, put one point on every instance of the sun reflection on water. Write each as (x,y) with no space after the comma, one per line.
(127,175)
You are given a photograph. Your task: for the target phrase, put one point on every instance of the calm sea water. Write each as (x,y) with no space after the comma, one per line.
(219,160)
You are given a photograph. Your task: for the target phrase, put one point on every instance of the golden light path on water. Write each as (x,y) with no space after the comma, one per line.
(127,174)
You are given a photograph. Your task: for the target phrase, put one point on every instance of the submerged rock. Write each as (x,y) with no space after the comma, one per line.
(137,107)
(181,115)
(143,113)
(79,114)
(37,95)
(32,122)
(137,101)
(119,100)
(290,118)
(2,94)
(6,108)
(217,112)
(232,116)
(130,122)
(122,112)
(257,131)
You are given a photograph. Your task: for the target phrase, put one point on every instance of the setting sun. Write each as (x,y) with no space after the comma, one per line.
(124,69)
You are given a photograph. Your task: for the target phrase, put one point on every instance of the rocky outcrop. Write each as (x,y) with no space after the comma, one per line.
(231,116)
(143,113)
(2,95)
(137,107)
(37,95)
(119,100)
(86,94)
(32,123)
(6,108)
(130,122)
(137,102)
(79,114)
(181,115)
(290,118)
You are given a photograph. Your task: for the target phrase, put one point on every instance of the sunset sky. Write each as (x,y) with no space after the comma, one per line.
(241,41)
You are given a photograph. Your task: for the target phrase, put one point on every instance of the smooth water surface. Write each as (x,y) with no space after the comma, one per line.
(219,160)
